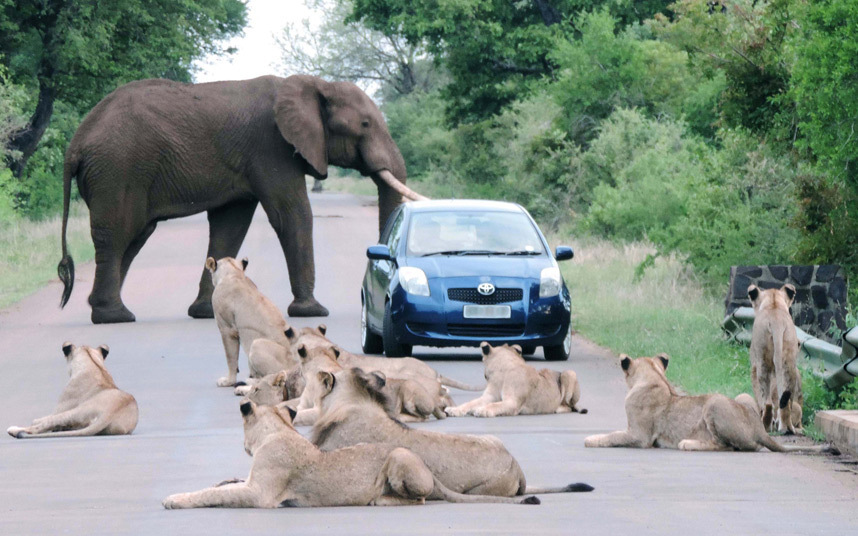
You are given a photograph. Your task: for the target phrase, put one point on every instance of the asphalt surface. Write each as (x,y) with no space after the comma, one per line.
(190,436)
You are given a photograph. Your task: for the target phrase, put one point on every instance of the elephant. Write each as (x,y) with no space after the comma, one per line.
(157,149)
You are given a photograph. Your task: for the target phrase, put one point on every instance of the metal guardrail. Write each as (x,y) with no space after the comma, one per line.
(837,366)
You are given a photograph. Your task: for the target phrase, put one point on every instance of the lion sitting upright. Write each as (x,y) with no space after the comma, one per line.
(516,388)
(658,416)
(90,404)
(243,314)
(774,351)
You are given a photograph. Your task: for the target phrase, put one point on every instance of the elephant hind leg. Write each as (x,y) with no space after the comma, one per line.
(228,226)
(132,251)
(110,245)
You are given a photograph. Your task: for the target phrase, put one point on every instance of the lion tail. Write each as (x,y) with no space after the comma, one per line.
(451,496)
(571,488)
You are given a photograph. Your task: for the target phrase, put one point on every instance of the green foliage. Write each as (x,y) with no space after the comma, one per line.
(84,49)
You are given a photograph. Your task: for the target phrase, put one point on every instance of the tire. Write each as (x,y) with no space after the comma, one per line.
(561,351)
(392,348)
(370,343)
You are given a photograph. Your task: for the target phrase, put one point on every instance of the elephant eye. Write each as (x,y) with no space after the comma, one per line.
(364,123)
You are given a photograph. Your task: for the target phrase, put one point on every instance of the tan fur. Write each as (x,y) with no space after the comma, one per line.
(275,389)
(288,470)
(414,395)
(774,353)
(516,388)
(243,314)
(660,417)
(267,358)
(352,412)
(90,404)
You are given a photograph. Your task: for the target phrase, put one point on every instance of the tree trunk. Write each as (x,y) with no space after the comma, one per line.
(27,139)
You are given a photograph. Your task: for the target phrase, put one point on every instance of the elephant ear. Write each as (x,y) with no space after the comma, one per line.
(298,113)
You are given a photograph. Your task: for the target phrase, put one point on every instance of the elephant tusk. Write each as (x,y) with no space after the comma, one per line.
(399,187)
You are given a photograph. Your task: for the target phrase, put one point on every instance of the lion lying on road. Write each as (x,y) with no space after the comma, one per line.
(267,358)
(516,388)
(288,470)
(660,417)
(352,412)
(90,404)
(774,350)
(243,314)
(275,389)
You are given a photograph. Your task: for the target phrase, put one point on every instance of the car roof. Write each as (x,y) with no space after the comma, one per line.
(435,205)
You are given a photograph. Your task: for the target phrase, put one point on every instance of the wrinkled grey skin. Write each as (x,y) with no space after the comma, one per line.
(155,149)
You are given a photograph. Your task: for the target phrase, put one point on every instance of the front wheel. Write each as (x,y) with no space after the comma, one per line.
(560,352)
(370,343)
(392,348)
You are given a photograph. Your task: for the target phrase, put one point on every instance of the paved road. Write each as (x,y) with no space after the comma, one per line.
(190,435)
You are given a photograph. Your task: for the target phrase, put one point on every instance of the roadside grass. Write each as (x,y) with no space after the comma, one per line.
(668,310)
(665,310)
(30,251)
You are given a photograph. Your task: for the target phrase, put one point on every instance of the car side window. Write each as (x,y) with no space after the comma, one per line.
(395,233)
(388,227)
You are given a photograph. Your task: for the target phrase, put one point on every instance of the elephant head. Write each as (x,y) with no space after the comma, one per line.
(336,123)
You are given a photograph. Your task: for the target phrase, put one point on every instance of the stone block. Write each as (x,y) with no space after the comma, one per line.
(801,275)
(779,272)
(820,296)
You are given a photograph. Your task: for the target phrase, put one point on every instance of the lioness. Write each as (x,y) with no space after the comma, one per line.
(660,417)
(91,404)
(243,314)
(407,368)
(516,388)
(774,349)
(267,358)
(275,389)
(288,470)
(352,412)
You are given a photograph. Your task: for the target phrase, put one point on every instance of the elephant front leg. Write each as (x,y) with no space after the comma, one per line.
(228,226)
(293,223)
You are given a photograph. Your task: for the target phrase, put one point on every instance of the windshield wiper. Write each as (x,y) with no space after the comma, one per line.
(464,252)
(523,252)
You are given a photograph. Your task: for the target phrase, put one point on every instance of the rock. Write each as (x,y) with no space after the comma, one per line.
(820,297)
(779,272)
(826,272)
(801,275)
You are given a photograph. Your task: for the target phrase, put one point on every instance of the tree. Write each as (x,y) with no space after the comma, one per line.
(340,50)
(79,50)
(493,50)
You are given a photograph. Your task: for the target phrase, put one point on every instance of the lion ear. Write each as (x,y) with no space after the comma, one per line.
(517,349)
(67,348)
(290,333)
(753,293)
(246,407)
(244,263)
(380,379)
(104,350)
(790,292)
(664,358)
(292,413)
(323,329)
(336,351)
(302,351)
(327,380)
(485,347)
(280,379)
(211,264)
(625,362)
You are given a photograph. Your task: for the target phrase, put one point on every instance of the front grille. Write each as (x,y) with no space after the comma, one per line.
(486,330)
(470,295)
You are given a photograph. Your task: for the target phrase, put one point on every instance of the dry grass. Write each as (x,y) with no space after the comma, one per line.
(30,251)
(665,310)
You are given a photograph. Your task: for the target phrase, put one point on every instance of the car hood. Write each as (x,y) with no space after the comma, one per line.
(475,266)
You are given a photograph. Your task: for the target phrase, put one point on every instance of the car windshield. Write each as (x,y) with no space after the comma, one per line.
(472,233)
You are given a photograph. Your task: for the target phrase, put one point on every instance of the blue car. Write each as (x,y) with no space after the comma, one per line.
(457,272)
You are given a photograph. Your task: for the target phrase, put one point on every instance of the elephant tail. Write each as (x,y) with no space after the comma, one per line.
(65,269)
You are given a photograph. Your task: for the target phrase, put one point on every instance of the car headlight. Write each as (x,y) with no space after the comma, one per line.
(550,282)
(414,281)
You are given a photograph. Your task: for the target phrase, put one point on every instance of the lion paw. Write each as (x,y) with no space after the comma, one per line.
(591,441)
(481,412)
(242,390)
(454,412)
(15,431)
(226,381)
(172,502)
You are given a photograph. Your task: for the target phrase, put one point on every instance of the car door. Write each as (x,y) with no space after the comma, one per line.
(381,272)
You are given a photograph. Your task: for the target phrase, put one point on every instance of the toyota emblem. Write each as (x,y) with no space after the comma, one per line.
(486,289)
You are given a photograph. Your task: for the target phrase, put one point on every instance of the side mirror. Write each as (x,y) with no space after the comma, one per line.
(563,253)
(379,253)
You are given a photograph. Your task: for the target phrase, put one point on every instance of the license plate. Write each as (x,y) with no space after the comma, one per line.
(487,311)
